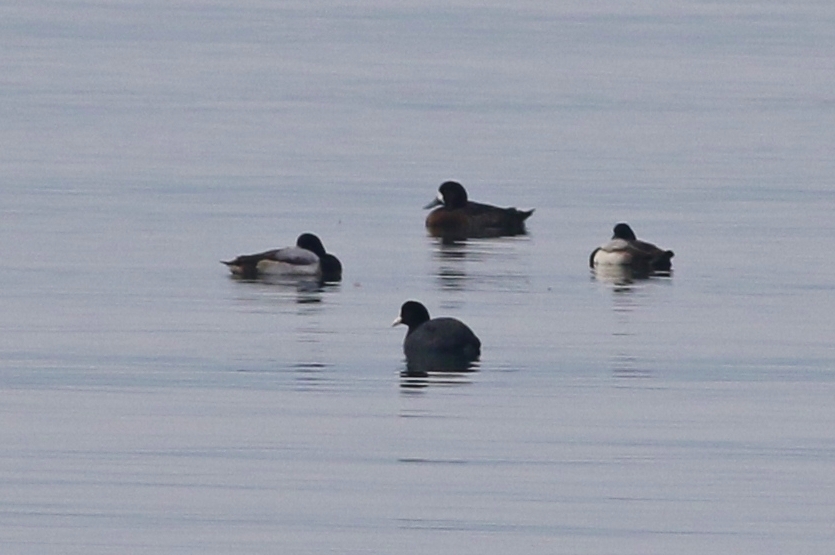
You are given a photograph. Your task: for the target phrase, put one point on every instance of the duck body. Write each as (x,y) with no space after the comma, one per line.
(443,336)
(445,343)
(307,259)
(624,249)
(458,217)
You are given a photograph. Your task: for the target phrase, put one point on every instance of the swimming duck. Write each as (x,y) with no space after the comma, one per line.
(626,250)
(307,259)
(458,217)
(437,338)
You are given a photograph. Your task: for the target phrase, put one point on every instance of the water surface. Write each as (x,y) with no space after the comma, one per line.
(152,404)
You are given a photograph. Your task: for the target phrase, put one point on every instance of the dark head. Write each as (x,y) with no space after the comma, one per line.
(623,231)
(310,242)
(451,194)
(331,268)
(412,314)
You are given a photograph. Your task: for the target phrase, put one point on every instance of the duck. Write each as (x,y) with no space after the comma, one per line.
(458,217)
(307,259)
(624,249)
(446,343)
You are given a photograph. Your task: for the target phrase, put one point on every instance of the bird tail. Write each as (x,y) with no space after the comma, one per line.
(662,262)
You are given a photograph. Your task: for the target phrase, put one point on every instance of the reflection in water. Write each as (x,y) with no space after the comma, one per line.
(625,363)
(614,274)
(452,279)
(423,460)
(301,301)
(626,299)
(460,264)
(309,354)
(424,370)
(451,256)
(425,364)
(618,274)
(311,375)
(626,366)
(305,290)
(413,383)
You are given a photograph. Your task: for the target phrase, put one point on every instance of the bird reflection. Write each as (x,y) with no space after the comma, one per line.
(614,274)
(628,366)
(449,249)
(424,364)
(424,370)
(308,351)
(627,297)
(310,375)
(625,278)
(451,255)
(625,361)
(459,264)
(308,291)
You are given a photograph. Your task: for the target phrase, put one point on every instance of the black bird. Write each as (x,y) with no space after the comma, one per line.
(438,344)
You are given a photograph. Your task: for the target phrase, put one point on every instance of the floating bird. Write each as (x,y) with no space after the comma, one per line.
(440,344)
(458,217)
(307,259)
(625,249)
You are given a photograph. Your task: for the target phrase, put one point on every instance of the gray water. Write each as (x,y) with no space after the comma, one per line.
(151,404)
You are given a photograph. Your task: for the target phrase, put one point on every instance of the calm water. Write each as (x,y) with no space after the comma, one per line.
(150,404)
